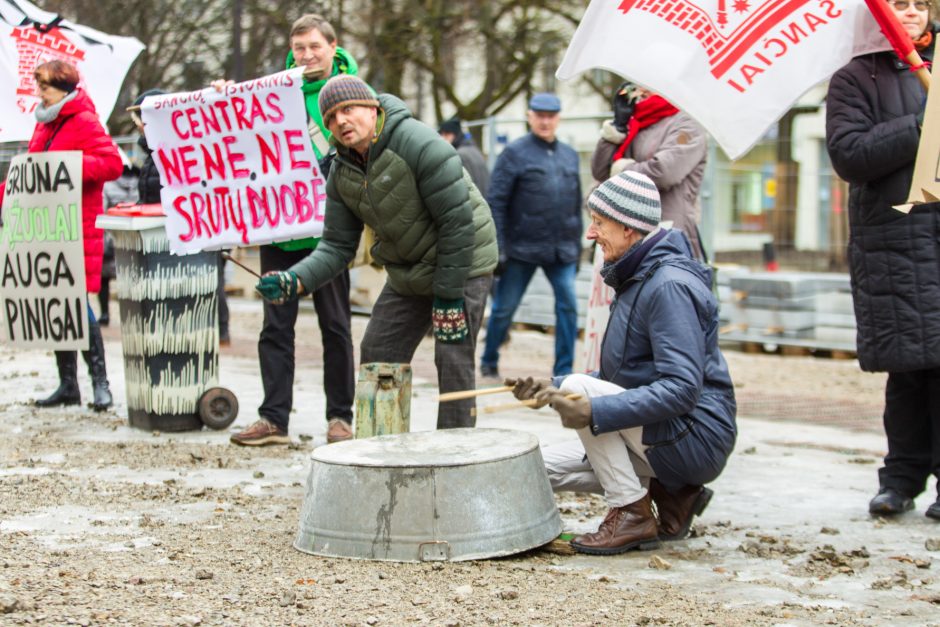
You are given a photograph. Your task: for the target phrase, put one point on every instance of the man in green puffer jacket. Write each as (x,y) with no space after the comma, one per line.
(434,235)
(313,47)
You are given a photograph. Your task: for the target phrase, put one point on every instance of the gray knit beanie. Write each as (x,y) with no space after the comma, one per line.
(629,198)
(342,90)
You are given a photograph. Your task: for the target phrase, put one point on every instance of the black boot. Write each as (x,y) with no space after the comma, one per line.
(94,357)
(67,393)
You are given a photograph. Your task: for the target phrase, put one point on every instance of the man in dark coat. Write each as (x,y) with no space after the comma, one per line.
(470,155)
(657,421)
(874,112)
(535,195)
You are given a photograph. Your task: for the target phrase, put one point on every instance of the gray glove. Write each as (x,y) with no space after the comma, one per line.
(575,412)
(526,389)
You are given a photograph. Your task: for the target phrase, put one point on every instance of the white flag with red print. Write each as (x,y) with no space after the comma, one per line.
(736,66)
(30,37)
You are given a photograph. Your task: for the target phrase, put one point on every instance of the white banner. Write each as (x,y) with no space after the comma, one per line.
(736,66)
(27,40)
(237,167)
(42,289)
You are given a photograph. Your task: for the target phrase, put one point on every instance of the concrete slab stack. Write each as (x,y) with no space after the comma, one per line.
(812,310)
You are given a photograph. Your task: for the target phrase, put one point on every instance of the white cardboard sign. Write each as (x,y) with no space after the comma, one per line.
(42,286)
(237,167)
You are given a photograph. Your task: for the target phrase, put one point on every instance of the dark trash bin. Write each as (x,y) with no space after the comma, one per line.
(169,326)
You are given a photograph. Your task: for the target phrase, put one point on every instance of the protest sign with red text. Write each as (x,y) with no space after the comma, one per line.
(237,167)
(736,66)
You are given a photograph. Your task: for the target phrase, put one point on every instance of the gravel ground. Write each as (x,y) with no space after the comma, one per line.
(103,524)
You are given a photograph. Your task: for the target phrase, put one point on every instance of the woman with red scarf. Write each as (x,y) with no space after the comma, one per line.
(68,121)
(650,136)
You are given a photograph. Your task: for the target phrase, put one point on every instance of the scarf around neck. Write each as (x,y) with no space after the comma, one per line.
(48,114)
(616,273)
(648,111)
(923,42)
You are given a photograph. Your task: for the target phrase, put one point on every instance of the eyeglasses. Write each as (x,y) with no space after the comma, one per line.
(901,5)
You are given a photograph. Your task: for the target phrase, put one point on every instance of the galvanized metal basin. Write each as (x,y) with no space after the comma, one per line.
(457,494)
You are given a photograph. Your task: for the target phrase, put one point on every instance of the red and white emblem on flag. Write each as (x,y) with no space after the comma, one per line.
(733,30)
(734,65)
(35,47)
(30,37)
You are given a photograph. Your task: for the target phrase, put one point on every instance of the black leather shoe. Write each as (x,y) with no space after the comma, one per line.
(934,510)
(66,394)
(890,502)
(103,399)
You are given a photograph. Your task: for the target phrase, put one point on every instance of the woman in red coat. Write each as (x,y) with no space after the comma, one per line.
(68,121)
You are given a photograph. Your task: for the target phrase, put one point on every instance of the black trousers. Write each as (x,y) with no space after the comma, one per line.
(222,300)
(912,424)
(104,298)
(276,345)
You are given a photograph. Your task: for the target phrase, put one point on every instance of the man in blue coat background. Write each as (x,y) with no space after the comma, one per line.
(535,197)
(657,421)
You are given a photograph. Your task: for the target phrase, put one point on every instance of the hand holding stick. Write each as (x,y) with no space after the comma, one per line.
(492,409)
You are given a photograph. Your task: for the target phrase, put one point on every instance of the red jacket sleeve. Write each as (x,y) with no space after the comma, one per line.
(100,159)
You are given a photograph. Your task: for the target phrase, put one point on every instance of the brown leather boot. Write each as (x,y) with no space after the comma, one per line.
(338,430)
(677,509)
(624,528)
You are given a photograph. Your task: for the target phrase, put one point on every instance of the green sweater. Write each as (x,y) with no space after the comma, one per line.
(433,228)
(343,63)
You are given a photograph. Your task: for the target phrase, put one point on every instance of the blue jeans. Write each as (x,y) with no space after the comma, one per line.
(509,290)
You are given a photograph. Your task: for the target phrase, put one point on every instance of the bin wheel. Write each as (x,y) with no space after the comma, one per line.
(218,408)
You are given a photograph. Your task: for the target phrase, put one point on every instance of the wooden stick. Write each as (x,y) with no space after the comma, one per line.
(922,74)
(238,263)
(492,409)
(457,396)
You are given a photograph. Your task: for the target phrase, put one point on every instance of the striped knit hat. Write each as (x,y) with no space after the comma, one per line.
(342,90)
(629,198)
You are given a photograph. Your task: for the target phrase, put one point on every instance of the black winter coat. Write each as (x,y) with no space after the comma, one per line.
(894,259)
(535,196)
(149,183)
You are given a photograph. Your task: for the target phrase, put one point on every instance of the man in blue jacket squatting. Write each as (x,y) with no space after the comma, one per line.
(657,421)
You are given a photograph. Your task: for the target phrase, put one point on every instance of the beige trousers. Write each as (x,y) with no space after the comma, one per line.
(613,464)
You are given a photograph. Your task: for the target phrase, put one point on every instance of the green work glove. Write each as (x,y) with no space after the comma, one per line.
(279,287)
(575,412)
(449,320)
(526,389)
